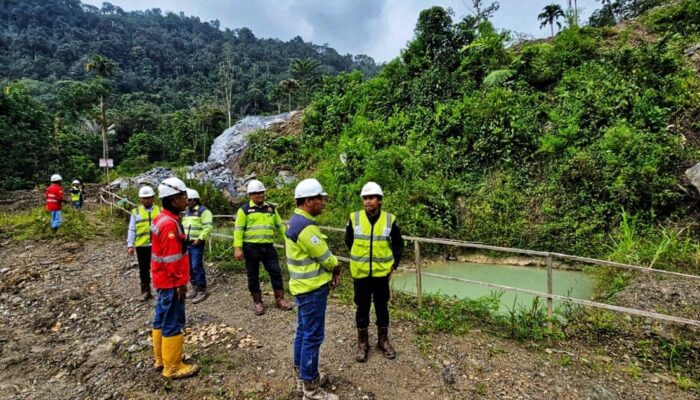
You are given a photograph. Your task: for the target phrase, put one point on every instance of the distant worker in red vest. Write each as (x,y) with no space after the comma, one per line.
(54,201)
(170,270)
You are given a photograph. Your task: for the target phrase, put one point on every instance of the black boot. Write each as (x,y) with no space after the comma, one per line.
(362,345)
(383,343)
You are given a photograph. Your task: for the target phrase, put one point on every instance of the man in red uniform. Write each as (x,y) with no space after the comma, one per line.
(54,201)
(170,272)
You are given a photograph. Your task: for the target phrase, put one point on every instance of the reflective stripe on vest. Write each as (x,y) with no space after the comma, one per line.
(259,224)
(192,222)
(75,197)
(305,273)
(371,254)
(143,220)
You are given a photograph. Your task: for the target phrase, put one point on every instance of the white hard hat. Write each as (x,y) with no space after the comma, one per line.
(255,186)
(308,188)
(192,194)
(371,189)
(146,191)
(56,178)
(171,186)
(76,182)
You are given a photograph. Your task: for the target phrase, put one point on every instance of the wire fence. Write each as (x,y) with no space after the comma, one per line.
(549,256)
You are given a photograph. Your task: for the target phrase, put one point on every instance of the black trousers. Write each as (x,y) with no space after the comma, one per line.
(366,290)
(256,253)
(143,255)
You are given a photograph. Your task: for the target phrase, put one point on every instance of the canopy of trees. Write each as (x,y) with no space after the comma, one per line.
(166,84)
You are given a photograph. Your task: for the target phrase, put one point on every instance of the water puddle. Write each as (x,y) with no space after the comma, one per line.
(565,282)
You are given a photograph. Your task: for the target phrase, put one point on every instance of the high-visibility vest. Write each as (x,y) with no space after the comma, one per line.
(143,219)
(307,271)
(198,223)
(74,194)
(371,253)
(257,224)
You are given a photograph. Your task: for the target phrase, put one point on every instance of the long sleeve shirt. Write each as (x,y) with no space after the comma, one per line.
(54,197)
(257,224)
(131,232)
(170,264)
(396,240)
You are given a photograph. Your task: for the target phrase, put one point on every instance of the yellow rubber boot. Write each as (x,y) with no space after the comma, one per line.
(173,367)
(157,335)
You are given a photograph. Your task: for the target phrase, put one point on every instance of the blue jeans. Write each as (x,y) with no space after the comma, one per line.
(198,278)
(55,219)
(170,313)
(311,321)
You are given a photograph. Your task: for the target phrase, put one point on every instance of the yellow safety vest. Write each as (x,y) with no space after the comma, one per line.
(371,254)
(257,224)
(143,220)
(309,260)
(198,224)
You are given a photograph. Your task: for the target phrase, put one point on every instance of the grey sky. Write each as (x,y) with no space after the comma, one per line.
(378,28)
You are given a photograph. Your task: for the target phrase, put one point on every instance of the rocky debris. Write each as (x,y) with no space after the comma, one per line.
(209,334)
(152,178)
(692,50)
(693,175)
(222,169)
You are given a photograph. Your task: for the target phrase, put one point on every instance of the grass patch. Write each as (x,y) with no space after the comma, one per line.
(36,224)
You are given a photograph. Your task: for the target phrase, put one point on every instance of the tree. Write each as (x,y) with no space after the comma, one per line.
(305,72)
(227,79)
(549,16)
(103,68)
(290,86)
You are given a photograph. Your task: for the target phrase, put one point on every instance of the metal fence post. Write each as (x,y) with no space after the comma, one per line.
(550,308)
(419,284)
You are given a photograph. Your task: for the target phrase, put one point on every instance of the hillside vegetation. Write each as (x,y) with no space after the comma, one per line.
(169,83)
(574,144)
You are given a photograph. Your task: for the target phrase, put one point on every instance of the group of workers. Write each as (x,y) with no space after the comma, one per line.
(168,241)
(55,199)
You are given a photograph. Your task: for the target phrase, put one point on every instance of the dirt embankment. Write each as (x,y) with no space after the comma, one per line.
(72,327)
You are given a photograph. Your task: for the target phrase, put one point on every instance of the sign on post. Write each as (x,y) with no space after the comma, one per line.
(106,163)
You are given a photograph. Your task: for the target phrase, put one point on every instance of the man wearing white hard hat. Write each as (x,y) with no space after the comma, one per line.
(198,223)
(257,221)
(376,246)
(76,194)
(54,201)
(313,270)
(170,269)
(138,239)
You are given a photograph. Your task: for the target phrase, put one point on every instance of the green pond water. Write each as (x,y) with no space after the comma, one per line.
(568,283)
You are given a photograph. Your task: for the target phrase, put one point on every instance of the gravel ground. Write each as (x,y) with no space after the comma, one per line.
(72,327)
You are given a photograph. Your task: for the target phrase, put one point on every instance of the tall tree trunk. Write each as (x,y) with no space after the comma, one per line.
(105,143)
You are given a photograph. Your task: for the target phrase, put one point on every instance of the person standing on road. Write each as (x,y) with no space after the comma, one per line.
(170,269)
(312,270)
(253,238)
(138,240)
(376,246)
(198,223)
(76,194)
(54,201)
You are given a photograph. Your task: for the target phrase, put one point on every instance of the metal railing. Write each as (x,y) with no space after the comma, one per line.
(549,256)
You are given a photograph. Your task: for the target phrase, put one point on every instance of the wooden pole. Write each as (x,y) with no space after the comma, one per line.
(419,283)
(550,308)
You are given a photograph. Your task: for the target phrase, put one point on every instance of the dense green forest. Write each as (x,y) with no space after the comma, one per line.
(163,78)
(576,144)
